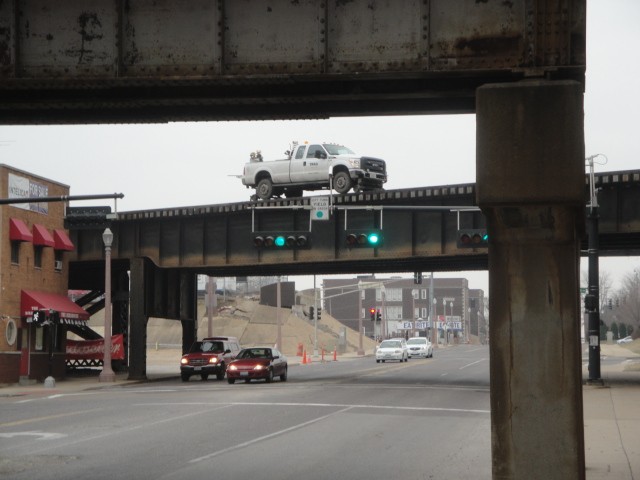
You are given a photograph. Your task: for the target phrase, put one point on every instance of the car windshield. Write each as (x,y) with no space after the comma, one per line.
(390,344)
(207,346)
(337,149)
(417,341)
(255,353)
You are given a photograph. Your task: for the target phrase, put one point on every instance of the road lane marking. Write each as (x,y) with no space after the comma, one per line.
(40,435)
(472,363)
(48,417)
(328,405)
(266,437)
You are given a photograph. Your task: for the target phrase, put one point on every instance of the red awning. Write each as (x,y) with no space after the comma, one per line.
(70,313)
(41,236)
(19,231)
(62,240)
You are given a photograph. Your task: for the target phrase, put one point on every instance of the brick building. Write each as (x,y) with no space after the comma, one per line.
(405,307)
(33,277)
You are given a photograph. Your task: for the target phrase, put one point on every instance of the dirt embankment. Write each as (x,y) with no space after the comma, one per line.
(256,324)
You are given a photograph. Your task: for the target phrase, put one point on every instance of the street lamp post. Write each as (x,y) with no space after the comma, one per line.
(107,374)
(444,326)
(451,312)
(434,328)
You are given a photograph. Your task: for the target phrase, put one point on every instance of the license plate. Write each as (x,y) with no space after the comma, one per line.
(244,374)
(197,369)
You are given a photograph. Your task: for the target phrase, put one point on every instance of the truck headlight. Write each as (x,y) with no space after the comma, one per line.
(354,162)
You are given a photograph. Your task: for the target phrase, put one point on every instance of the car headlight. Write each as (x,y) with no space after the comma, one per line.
(354,162)
(258,367)
(213,360)
(184,361)
(233,367)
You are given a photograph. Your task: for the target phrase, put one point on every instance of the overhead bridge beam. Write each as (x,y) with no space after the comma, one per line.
(111,61)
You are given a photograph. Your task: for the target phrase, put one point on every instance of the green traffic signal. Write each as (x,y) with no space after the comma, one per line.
(473,238)
(282,240)
(364,238)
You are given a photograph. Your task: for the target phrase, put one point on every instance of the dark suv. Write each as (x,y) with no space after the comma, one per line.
(209,357)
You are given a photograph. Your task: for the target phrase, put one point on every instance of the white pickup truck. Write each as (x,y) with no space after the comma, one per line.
(313,166)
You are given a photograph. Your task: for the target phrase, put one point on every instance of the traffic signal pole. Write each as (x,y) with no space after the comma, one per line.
(592,299)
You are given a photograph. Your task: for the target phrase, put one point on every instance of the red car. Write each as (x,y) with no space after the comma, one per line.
(258,362)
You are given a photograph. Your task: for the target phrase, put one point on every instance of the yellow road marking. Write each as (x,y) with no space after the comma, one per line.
(48,417)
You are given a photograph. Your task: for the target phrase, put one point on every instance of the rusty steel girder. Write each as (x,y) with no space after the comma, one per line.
(104,61)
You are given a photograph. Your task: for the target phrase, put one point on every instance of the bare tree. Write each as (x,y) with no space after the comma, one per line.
(628,301)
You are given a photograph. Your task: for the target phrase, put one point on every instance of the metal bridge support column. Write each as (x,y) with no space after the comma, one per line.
(530,185)
(138,321)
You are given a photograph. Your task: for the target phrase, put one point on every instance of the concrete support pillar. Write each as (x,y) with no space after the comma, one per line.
(138,322)
(530,186)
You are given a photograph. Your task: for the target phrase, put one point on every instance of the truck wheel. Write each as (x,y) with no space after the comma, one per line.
(264,189)
(342,182)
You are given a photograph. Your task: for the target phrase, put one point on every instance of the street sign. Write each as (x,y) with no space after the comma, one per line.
(422,324)
(319,208)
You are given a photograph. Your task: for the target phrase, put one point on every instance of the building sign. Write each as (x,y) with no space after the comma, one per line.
(94,349)
(422,324)
(22,187)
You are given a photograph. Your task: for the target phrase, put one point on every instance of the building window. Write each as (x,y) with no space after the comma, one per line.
(393,294)
(362,292)
(424,312)
(58,261)
(414,294)
(394,313)
(37,256)
(416,312)
(424,293)
(15,253)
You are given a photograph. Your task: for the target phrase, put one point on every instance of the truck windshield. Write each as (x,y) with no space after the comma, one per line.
(337,149)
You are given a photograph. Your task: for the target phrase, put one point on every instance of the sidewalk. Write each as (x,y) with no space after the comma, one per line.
(611,410)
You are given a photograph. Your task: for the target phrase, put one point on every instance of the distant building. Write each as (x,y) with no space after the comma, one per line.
(406,307)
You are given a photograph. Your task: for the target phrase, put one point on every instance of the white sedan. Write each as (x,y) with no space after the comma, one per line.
(420,347)
(625,340)
(392,349)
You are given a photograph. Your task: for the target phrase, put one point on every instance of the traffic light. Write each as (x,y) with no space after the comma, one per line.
(378,316)
(79,218)
(473,238)
(282,240)
(372,314)
(319,314)
(417,278)
(364,238)
(311,310)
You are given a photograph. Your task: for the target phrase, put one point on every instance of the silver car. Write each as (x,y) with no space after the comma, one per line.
(420,347)
(392,349)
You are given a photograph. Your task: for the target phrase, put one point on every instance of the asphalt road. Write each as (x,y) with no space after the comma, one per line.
(352,419)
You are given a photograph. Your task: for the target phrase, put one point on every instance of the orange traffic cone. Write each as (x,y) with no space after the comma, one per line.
(304,357)
(335,354)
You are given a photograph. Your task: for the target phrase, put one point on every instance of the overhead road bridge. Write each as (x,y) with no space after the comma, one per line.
(518,65)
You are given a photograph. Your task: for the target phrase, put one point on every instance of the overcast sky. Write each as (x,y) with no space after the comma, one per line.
(180,164)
